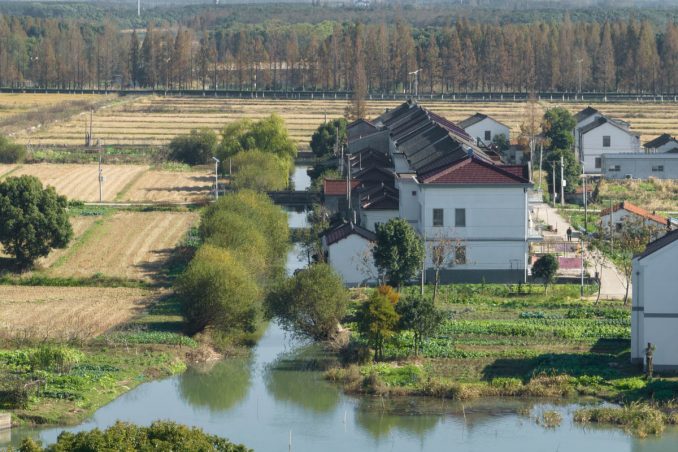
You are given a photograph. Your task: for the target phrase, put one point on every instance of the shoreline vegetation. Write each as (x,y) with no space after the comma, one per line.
(511,341)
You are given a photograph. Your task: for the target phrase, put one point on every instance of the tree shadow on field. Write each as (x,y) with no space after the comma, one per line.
(11,266)
(167,264)
(574,364)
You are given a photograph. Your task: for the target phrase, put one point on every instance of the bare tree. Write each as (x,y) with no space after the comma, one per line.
(446,252)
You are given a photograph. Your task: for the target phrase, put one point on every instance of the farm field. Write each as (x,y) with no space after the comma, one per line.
(5,169)
(123,183)
(130,245)
(154,120)
(67,313)
(12,104)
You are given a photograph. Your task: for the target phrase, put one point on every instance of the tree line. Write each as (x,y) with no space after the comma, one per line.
(463,56)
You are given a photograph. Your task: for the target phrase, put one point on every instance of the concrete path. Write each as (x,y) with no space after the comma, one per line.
(612,280)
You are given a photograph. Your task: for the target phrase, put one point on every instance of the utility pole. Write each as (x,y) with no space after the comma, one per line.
(562,182)
(138,8)
(541,153)
(416,83)
(611,231)
(582,237)
(579,61)
(101,177)
(586,213)
(216,177)
(553,173)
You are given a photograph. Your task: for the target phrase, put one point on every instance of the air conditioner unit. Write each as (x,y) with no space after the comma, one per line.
(629,176)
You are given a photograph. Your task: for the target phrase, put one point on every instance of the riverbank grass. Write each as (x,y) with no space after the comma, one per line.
(509,341)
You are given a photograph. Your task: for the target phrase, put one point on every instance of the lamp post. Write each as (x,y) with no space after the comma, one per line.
(216,177)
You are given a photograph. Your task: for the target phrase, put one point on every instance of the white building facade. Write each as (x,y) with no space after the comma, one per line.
(603,136)
(484,129)
(654,316)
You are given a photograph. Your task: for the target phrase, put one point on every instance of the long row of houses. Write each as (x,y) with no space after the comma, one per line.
(606,146)
(445,181)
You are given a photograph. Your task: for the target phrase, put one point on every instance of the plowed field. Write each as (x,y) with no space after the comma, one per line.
(66,313)
(130,245)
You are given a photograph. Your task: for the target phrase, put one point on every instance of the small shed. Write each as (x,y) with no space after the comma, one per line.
(654,317)
(348,250)
(612,219)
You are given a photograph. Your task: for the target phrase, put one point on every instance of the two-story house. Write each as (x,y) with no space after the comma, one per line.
(449,189)
(654,317)
(596,135)
(484,128)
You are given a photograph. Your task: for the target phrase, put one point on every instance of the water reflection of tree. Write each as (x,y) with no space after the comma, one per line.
(219,386)
(297,379)
(379,424)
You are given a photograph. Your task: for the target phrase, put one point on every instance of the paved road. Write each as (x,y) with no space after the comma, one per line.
(612,280)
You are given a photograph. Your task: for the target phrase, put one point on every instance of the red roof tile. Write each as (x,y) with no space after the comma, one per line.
(472,170)
(342,231)
(634,209)
(337,187)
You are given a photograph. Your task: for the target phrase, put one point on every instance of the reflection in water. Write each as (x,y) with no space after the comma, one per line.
(295,378)
(300,178)
(217,386)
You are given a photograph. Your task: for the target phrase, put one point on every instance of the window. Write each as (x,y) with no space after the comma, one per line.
(618,227)
(488,135)
(460,255)
(658,168)
(438,219)
(460,218)
(414,193)
(606,141)
(614,168)
(598,162)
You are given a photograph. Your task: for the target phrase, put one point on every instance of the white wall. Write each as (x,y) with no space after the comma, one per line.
(666,147)
(492,212)
(583,123)
(618,216)
(478,129)
(592,145)
(655,289)
(345,257)
(370,218)
(409,203)
(496,223)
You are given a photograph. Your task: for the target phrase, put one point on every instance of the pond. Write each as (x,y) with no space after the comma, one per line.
(273,400)
(263,400)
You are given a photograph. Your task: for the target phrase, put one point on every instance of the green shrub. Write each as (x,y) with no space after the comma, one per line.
(217,290)
(11,152)
(161,435)
(196,148)
(54,358)
(260,171)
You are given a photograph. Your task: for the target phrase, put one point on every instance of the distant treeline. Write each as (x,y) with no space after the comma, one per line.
(464,56)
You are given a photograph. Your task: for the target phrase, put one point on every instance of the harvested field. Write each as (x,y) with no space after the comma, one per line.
(152,120)
(67,313)
(6,169)
(131,245)
(170,186)
(79,224)
(81,181)
(124,183)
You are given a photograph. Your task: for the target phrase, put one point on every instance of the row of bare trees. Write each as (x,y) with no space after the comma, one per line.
(626,56)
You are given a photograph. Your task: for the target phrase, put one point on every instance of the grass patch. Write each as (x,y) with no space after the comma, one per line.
(123,193)
(67,395)
(96,280)
(641,419)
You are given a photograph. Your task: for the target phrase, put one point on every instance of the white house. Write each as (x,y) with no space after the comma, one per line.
(583,118)
(612,219)
(664,143)
(483,128)
(640,165)
(448,188)
(604,136)
(654,316)
(348,249)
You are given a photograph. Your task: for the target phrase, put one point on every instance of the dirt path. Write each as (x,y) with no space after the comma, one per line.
(612,280)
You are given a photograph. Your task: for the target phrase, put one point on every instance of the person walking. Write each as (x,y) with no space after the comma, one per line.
(569,234)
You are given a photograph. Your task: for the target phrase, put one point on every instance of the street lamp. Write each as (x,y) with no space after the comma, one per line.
(216,177)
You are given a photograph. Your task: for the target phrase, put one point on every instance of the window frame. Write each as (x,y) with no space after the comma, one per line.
(441,222)
(457,223)
(488,135)
(608,139)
